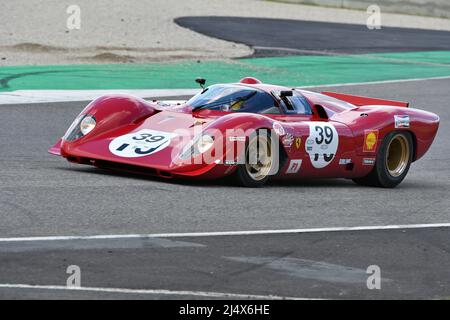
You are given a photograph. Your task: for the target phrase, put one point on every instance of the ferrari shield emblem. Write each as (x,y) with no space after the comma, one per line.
(298,142)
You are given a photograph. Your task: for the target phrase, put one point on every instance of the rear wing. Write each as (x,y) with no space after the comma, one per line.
(365,101)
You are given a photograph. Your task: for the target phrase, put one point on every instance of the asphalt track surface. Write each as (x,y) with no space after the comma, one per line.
(275,37)
(413,265)
(42,195)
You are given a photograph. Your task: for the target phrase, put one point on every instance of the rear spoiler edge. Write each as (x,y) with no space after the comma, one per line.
(365,101)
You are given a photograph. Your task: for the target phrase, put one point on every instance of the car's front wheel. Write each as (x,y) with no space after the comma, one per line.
(258,162)
(392,163)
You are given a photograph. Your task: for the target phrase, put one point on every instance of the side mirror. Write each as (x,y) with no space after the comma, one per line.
(284,94)
(201,82)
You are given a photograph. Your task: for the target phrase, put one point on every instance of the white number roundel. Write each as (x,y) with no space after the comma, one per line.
(322,144)
(140,144)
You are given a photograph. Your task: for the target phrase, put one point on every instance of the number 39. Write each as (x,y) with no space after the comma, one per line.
(325,135)
(148,138)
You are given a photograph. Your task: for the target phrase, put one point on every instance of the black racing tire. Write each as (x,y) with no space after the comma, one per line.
(246,174)
(392,162)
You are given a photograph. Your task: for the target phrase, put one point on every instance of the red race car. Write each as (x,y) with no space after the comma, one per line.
(255,132)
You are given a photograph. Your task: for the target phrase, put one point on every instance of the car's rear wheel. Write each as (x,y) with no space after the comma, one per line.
(258,162)
(392,163)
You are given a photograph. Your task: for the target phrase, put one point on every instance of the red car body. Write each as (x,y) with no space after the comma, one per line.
(360,122)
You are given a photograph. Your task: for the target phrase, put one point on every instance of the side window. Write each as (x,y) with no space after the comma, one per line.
(297,104)
(260,103)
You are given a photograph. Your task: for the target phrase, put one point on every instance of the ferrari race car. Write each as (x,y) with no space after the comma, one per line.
(255,132)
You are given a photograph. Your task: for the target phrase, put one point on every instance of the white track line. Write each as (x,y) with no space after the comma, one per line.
(43,96)
(224,233)
(52,96)
(150,292)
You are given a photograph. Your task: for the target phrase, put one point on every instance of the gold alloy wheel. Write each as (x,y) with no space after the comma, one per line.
(398,155)
(259,158)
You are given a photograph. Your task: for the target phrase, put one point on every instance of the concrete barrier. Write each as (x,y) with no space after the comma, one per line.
(433,8)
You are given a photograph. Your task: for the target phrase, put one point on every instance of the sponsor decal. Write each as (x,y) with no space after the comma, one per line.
(230,162)
(294,166)
(369,161)
(344,162)
(288,140)
(140,144)
(322,143)
(370,140)
(278,128)
(239,139)
(298,143)
(402,122)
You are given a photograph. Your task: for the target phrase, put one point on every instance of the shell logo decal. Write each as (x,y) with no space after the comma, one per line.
(370,140)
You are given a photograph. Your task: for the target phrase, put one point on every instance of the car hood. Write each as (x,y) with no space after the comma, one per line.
(130,143)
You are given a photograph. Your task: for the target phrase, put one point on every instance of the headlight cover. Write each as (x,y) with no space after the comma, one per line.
(199,145)
(81,127)
(205,143)
(87,125)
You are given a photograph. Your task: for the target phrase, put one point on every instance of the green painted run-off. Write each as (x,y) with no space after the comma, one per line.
(290,71)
